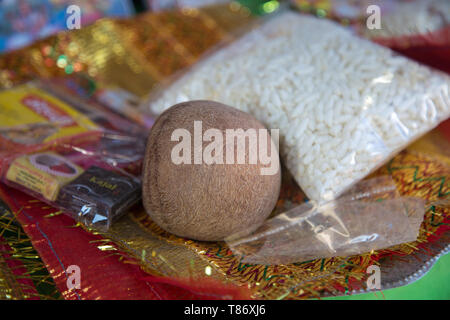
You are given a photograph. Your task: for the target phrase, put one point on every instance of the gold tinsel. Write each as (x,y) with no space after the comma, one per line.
(21,250)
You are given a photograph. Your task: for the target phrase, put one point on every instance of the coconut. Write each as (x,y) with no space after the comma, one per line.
(200,180)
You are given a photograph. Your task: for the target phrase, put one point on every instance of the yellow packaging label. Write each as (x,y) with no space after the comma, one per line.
(43,173)
(43,117)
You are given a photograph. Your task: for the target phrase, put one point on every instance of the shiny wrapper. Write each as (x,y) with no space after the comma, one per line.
(99,195)
(68,155)
(27,172)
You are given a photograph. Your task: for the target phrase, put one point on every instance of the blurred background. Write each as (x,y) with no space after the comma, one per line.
(23,21)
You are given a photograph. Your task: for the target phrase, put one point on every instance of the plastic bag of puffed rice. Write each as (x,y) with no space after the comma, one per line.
(343,105)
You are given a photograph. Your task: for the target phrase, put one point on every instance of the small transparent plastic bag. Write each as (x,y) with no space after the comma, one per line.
(368,217)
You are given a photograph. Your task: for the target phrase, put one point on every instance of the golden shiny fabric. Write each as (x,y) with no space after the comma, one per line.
(134,54)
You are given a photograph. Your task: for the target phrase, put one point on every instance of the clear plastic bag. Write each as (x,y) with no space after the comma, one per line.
(66,154)
(370,216)
(343,105)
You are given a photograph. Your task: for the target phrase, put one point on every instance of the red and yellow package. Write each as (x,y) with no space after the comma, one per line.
(43,173)
(32,119)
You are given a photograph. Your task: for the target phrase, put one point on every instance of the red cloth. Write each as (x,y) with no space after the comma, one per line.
(432,49)
(103,276)
(438,39)
(444,128)
(434,56)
